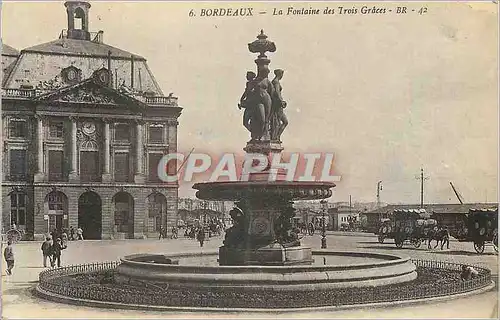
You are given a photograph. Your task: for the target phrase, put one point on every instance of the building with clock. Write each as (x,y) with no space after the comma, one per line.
(85,125)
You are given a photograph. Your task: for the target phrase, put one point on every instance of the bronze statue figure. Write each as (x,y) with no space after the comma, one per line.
(264,91)
(257,102)
(246,103)
(279,119)
(235,235)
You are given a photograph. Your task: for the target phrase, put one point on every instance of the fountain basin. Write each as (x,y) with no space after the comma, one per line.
(379,269)
(288,190)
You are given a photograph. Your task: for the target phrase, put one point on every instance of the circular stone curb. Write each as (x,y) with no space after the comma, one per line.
(116,305)
(388,269)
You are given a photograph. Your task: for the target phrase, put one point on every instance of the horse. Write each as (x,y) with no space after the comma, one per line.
(440,235)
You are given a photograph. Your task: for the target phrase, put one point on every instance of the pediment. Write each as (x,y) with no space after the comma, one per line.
(90,92)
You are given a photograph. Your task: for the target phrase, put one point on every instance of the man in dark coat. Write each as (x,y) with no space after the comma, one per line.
(56,252)
(201,236)
(47,251)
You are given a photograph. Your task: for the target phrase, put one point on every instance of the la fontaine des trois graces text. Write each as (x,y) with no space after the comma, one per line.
(308,11)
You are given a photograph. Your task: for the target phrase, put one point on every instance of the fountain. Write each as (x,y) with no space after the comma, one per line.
(262,234)
(262,250)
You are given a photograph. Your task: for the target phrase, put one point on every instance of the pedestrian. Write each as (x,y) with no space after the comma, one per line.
(53,234)
(64,240)
(8,254)
(201,236)
(161,234)
(445,238)
(71,233)
(468,273)
(47,251)
(174,232)
(79,233)
(56,252)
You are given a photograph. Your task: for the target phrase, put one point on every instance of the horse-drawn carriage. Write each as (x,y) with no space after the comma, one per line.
(479,226)
(407,226)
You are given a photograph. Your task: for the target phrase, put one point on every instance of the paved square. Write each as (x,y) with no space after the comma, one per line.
(17,301)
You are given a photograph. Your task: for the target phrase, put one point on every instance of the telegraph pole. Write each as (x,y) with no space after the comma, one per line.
(379,188)
(422,179)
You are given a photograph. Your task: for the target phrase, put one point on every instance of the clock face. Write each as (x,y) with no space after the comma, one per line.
(88,128)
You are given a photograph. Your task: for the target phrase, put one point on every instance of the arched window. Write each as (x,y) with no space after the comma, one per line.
(79,18)
(56,201)
(18,209)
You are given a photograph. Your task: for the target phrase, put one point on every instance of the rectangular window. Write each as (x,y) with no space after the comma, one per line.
(18,165)
(156,133)
(18,128)
(89,166)
(56,129)
(18,209)
(56,165)
(154,161)
(122,132)
(122,167)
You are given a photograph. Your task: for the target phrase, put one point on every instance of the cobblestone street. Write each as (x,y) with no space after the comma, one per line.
(17,301)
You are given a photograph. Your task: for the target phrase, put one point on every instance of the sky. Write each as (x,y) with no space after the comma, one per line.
(388,94)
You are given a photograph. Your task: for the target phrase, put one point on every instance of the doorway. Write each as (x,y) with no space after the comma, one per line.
(90,215)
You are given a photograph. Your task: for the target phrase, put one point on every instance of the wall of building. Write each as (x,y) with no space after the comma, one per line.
(38,207)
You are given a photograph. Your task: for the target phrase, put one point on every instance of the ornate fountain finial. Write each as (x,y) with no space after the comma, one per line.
(262,45)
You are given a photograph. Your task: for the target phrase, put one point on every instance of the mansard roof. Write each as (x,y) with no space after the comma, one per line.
(79,47)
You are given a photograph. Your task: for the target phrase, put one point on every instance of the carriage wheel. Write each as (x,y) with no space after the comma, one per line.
(479,247)
(399,243)
(381,238)
(495,241)
(417,243)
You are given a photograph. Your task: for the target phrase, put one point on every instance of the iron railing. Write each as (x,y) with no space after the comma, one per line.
(51,281)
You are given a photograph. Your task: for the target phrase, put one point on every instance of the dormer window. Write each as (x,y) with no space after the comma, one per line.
(71,75)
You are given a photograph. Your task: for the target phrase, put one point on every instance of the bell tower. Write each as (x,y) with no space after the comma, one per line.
(78,19)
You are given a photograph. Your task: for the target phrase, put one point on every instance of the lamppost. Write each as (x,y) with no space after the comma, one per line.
(324,205)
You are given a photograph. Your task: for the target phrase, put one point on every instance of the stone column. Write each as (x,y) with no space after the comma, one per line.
(40,174)
(73,175)
(106,176)
(139,149)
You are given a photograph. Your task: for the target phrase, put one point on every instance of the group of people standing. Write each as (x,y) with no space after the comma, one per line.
(51,249)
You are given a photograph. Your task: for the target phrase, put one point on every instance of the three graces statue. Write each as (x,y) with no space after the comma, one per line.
(264,116)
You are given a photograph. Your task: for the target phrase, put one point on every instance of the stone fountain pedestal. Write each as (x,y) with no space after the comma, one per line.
(271,255)
(263,233)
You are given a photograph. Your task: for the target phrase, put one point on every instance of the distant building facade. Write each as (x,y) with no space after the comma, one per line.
(85,125)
